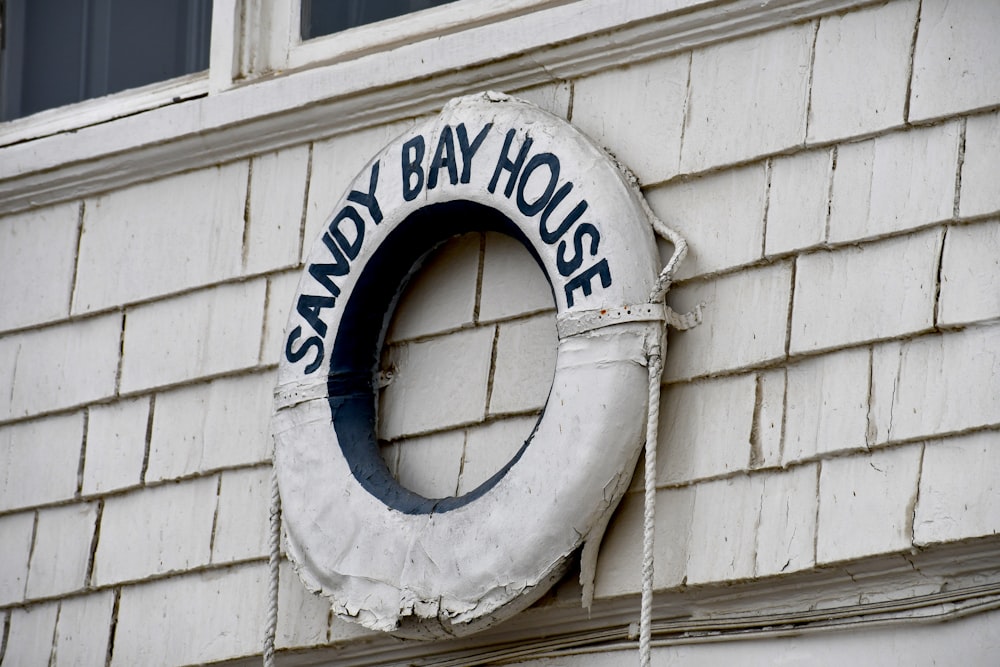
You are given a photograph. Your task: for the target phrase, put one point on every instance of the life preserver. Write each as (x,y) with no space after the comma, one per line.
(385,556)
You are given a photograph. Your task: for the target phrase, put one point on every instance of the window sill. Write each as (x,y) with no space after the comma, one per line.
(79,115)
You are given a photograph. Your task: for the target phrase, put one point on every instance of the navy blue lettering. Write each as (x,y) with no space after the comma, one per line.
(444,157)
(513,166)
(582,280)
(322,272)
(552,162)
(568,266)
(351,249)
(296,355)
(311,309)
(467,149)
(341,262)
(551,237)
(367,199)
(411,157)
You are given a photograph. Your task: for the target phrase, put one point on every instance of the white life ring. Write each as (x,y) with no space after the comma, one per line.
(387,557)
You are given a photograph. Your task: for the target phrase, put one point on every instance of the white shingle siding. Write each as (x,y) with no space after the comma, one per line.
(838,404)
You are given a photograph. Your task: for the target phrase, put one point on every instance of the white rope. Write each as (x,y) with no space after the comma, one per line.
(274,559)
(655,366)
(649,507)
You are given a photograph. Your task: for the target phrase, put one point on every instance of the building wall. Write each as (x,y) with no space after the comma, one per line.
(838,406)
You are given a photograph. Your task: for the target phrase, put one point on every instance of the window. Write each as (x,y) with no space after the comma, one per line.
(60,58)
(325,17)
(56,52)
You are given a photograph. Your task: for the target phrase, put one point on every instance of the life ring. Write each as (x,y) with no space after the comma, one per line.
(387,557)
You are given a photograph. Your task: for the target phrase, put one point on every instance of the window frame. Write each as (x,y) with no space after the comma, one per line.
(257,39)
(284,49)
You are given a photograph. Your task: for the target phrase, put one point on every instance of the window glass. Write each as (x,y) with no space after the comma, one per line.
(323,17)
(60,51)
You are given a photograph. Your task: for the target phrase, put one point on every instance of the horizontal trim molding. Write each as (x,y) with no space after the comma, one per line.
(554,44)
(940,584)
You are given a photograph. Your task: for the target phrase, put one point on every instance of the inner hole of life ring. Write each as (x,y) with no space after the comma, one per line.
(466,365)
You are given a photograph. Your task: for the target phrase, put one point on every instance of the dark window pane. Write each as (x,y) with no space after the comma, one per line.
(62,51)
(323,17)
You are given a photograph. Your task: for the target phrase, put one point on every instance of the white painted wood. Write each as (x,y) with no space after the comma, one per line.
(200,428)
(827,405)
(798,201)
(767,440)
(442,295)
(835,304)
(763,74)
(413,79)
(937,384)
(60,366)
(335,163)
(427,394)
(167,618)
(720,215)
(53,443)
(967,641)
(225,44)
(37,257)
(431,465)
(705,428)
(83,630)
(17,532)
(608,107)
(280,299)
(489,447)
(895,182)
(61,550)
(724,529)
(73,117)
(525,363)
(196,335)
(956,51)
(979,193)
(959,496)
(876,41)
(866,504)
(132,248)
(743,322)
(306,616)
(155,530)
(30,635)
(786,530)
(970,274)
(619,566)
(241,522)
(116,445)
(512,282)
(277,192)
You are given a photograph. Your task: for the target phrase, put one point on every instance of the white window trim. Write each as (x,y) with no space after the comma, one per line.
(259,41)
(51,158)
(293,53)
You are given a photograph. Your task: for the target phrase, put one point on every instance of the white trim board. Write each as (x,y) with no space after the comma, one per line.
(268,114)
(935,586)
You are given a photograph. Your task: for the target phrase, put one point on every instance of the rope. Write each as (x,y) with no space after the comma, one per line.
(649,507)
(274,545)
(662,283)
(655,365)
